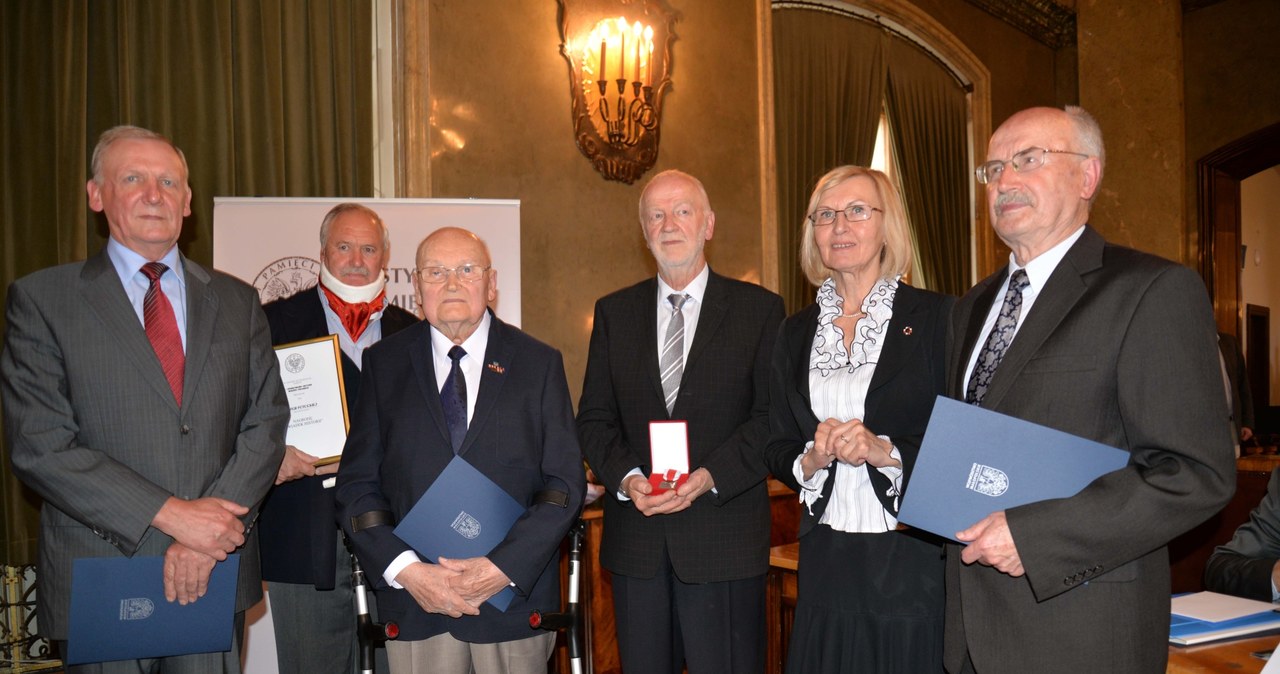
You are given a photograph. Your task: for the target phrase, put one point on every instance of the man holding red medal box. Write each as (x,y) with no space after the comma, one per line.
(673,420)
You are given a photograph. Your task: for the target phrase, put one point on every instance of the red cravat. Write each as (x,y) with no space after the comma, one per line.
(354,315)
(162,329)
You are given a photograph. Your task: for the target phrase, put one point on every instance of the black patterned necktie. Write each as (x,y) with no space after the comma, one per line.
(162,329)
(998,340)
(671,359)
(453,397)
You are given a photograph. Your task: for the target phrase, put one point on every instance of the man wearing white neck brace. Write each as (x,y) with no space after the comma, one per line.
(307,568)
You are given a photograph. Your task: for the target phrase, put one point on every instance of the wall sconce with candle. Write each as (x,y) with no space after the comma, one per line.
(619,52)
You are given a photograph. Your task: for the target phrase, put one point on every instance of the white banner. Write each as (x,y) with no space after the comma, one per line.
(274,243)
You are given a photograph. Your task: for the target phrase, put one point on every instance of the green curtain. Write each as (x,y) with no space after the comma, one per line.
(829,76)
(266,98)
(928,113)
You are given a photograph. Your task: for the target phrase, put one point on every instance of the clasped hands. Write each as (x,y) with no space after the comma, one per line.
(454,587)
(640,491)
(204,531)
(848,441)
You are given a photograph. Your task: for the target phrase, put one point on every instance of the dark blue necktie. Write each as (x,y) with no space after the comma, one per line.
(453,397)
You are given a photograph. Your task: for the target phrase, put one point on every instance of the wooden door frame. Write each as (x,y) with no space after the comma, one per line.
(1219,174)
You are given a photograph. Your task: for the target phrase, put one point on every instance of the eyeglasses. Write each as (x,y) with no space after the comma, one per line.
(1026,161)
(854,213)
(466,272)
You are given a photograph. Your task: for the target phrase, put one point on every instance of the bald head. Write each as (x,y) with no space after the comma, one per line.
(454,282)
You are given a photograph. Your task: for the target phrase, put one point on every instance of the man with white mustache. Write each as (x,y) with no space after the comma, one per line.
(307,568)
(1106,343)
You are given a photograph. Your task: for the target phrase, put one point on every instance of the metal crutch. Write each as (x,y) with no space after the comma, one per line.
(569,620)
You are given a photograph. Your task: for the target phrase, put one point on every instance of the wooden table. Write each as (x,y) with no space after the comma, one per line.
(1226,656)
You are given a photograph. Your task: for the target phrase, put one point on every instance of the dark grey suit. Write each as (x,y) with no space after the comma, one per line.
(1243,566)
(1119,347)
(94,429)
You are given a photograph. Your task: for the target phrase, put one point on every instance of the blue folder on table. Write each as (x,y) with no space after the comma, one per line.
(974,462)
(463,514)
(1185,631)
(118,611)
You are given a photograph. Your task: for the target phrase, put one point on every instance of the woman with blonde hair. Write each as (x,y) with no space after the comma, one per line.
(854,378)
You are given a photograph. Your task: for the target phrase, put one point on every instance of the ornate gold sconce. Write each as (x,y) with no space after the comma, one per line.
(619,54)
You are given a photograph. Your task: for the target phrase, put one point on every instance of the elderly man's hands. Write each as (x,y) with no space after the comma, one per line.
(431,586)
(991,544)
(207,525)
(640,491)
(477,579)
(298,464)
(186,573)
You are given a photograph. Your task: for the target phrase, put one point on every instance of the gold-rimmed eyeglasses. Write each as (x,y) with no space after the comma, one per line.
(1025,161)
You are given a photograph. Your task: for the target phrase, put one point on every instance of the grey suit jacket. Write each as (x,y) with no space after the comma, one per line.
(1119,347)
(1243,566)
(94,429)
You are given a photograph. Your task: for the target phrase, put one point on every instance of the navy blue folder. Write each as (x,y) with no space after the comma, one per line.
(463,514)
(974,462)
(118,611)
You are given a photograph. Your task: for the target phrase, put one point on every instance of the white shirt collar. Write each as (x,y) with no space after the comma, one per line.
(695,290)
(1041,268)
(474,345)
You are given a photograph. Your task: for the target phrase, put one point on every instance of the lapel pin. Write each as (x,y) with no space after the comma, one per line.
(496,367)
(907,331)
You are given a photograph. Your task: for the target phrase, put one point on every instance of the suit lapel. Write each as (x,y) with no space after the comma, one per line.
(648,334)
(710,316)
(900,344)
(424,371)
(497,358)
(1061,292)
(808,328)
(202,313)
(105,297)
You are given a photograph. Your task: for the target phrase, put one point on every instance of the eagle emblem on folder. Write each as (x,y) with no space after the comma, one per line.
(466,525)
(987,480)
(136,608)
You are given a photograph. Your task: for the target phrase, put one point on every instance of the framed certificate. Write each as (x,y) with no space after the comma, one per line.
(318,417)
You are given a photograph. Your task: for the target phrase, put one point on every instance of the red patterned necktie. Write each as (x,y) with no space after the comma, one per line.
(162,329)
(354,315)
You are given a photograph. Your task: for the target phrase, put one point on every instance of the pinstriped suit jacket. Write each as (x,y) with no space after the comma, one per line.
(93,428)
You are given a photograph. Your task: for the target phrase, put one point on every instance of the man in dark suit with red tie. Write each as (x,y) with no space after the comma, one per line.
(307,567)
(464,383)
(1106,343)
(688,564)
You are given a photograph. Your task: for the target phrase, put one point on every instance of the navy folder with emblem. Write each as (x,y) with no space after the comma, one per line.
(463,514)
(118,611)
(974,462)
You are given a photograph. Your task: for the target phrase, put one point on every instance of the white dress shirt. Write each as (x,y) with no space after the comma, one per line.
(838,383)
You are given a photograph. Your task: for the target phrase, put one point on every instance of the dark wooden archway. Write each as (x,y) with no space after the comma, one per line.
(1219,175)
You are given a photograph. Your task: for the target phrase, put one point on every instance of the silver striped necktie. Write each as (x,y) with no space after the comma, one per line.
(671,358)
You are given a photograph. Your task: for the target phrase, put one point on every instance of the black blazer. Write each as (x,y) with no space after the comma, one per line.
(521,436)
(910,375)
(724,395)
(299,533)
